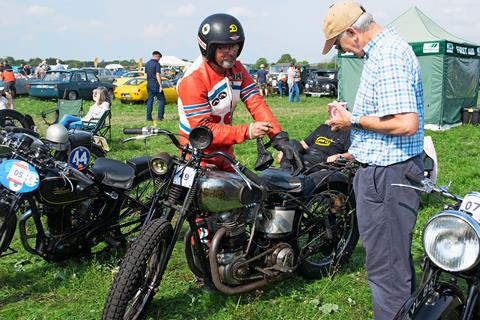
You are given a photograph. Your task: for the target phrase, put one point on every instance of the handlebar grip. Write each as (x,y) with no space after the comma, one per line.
(133,130)
(413,178)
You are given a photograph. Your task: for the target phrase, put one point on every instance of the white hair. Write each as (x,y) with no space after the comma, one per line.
(362,24)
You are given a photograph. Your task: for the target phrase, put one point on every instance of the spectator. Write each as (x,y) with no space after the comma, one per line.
(387,140)
(6,99)
(262,80)
(102,104)
(59,66)
(281,82)
(8,77)
(293,80)
(154,87)
(41,69)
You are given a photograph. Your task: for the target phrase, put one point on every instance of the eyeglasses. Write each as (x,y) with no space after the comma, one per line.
(229,48)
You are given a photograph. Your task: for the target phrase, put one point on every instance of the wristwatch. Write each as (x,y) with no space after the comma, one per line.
(355,121)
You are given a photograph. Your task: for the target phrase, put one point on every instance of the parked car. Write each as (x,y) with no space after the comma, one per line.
(322,83)
(68,84)
(127,76)
(103,74)
(136,90)
(22,82)
(272,76)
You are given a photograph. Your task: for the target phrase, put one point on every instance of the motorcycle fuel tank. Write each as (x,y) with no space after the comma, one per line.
(222,191)
(58,190)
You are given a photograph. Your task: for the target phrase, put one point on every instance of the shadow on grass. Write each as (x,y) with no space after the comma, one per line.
(195,302)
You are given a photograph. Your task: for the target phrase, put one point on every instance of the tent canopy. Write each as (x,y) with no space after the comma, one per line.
(114,66)
(450,69)
(172,61)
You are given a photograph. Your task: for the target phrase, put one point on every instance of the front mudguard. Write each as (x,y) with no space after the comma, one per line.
(442,301)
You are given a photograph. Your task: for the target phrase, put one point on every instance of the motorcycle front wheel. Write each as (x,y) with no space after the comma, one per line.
(139,275)
(328,235)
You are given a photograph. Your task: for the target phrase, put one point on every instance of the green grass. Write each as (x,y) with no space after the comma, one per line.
(33,289)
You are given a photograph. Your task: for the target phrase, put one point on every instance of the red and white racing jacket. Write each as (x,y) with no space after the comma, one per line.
(208,98)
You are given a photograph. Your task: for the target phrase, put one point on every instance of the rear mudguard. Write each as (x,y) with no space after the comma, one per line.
(443,301)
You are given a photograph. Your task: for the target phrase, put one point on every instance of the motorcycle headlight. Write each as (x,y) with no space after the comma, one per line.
(161,164)
(452,241)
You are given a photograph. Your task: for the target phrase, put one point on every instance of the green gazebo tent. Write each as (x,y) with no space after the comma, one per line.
(450,69)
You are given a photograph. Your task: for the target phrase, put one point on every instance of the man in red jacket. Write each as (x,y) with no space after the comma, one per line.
(215,83)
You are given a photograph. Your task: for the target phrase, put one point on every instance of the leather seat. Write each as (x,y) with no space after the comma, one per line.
(281,180)
(113,173)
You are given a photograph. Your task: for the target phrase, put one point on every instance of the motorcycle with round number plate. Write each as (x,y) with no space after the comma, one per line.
(245,230)
(451,239)
(65,212)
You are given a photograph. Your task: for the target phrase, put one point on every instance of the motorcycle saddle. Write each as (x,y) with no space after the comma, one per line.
(113,173)
(281,180)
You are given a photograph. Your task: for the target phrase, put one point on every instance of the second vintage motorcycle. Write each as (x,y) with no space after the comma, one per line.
(64,212)
(245,230)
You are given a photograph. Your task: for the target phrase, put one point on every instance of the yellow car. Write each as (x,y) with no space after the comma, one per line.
(127,76)
(136,90)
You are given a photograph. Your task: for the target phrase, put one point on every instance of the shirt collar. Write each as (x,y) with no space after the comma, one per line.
(377,41)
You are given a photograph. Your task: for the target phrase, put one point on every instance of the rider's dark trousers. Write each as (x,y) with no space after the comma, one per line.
(386,217)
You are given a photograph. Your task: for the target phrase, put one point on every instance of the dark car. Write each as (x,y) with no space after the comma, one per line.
(322,83)
(103,74)
(68,84)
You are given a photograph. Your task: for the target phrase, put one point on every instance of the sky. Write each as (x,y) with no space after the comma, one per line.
(122,30)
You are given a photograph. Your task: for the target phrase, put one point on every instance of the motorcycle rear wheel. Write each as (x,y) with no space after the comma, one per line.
(324,254)
(139,274)
(8,223)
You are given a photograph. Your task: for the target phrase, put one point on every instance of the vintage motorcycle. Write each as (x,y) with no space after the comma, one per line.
(245,230)
(449,288)
(65,212)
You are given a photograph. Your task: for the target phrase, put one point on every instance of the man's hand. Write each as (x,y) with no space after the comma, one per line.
(260,129)
(342,120)
(160,89)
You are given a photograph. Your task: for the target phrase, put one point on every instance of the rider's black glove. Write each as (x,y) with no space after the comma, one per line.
(290,149)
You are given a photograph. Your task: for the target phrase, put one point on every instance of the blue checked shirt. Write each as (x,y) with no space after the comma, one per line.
(391,83)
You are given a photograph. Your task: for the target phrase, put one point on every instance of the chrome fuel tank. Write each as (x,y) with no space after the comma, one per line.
(222,191)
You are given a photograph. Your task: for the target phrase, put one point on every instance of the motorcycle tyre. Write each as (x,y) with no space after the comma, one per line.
(158,233)
(313,270)
(14,115)
(7,229)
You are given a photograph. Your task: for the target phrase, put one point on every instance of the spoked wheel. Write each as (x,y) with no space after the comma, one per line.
(136,206)
(329,235)
(8,222)
(140,273)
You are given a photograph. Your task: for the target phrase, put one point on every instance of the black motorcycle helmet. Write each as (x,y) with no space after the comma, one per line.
(218,29)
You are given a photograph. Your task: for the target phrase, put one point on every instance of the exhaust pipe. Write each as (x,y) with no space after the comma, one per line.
(212,257)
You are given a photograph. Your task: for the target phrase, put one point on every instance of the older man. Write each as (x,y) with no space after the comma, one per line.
(386,138)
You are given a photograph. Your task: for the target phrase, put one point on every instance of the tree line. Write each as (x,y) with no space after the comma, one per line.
(284,58)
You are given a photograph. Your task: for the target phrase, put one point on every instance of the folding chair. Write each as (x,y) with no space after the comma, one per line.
(100,127)
(73,107)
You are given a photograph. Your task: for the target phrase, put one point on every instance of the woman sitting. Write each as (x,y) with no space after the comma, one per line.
(102,104)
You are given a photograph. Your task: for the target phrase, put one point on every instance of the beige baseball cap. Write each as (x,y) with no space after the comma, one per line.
(338,18)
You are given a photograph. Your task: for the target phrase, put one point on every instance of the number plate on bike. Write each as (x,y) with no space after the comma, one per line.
(471,204)
(184,176)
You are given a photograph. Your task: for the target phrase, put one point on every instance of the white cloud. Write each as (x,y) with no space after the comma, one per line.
(186,10)
(157,30)
(241,12)
(38,11)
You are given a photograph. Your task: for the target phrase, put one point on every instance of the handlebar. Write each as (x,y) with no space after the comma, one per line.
(145,131)
(426,185)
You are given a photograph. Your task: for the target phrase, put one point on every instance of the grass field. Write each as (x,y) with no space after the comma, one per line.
(33,289)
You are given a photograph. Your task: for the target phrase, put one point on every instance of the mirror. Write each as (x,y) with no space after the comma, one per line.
(201,137)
